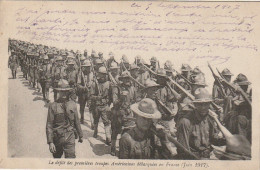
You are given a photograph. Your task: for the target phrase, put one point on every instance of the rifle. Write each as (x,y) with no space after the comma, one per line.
(134,80)
(241,91)
(177,144)
(224,78)
(217,80)
(184,78)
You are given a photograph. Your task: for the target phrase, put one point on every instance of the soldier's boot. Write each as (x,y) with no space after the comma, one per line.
(108,135)
(113,147)
(91,120)
(95,130)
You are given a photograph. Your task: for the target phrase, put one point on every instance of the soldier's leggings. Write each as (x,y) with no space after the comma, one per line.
(82,105)
(100,111)
(66,145)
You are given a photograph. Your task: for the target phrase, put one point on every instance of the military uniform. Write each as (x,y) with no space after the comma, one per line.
(196,132)
(58,72)
(45,78)
(122,115)
(100,96)
(63,126)
(13,63)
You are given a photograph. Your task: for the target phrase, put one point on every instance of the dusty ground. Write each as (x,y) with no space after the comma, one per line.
(27,115)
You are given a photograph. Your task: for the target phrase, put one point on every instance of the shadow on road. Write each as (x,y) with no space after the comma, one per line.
(37,98)
(100,149)
(37,93)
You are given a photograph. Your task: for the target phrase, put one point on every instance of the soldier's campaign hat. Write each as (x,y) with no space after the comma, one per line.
(82,58)
(100,54)
(168,66)
(63,85)
(146,108)
(70,62)
(86,63)
(111,54)
(114,65)
(150,84)
(125,59)
(124,75)
(161,72)
(196,71)
(202,96)
(185,67)
(102,70)
(199,80)
(45,57)
(153,59)
(98,61)
(70,55)
(226,72)
(242,80)
(134,67)
(138,57)
(85,51)
(59,58)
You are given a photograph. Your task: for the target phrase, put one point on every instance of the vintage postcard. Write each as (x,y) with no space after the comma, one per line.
(129,84)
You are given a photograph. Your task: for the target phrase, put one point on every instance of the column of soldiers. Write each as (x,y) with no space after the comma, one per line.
(158,112)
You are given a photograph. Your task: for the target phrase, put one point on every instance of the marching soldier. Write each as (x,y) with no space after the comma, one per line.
(85,80)
(137,143)
(185,74)
(63,127)
(124,65)
(58,72)
(224,100)
(45,77)
(238,121)
(72,77)
(123,97)
(195,131)
(100,96)
(13,64)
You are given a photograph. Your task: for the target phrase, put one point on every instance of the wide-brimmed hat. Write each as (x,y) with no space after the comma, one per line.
(82,58)
(100,54)
(125,59)
(102,70)
(226,72)
(98,61)
(111,54)
(168,66)
(59,58)
(196,71)
(185,67)
(242,80)
(124,75)
(63,85)
(153,59)
(146,108)
(86,63)
(70,62)
(199,79)
(149,84)
(161,72)
(114,65)
(134,67)
(202,96)
(45,57)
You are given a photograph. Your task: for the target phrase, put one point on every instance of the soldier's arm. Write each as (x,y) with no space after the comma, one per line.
(77,123)
(49,125)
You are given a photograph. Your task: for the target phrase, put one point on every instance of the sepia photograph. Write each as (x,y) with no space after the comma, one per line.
(106,84)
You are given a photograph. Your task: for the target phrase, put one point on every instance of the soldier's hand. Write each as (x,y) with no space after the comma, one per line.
(80,140)
(52,148)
